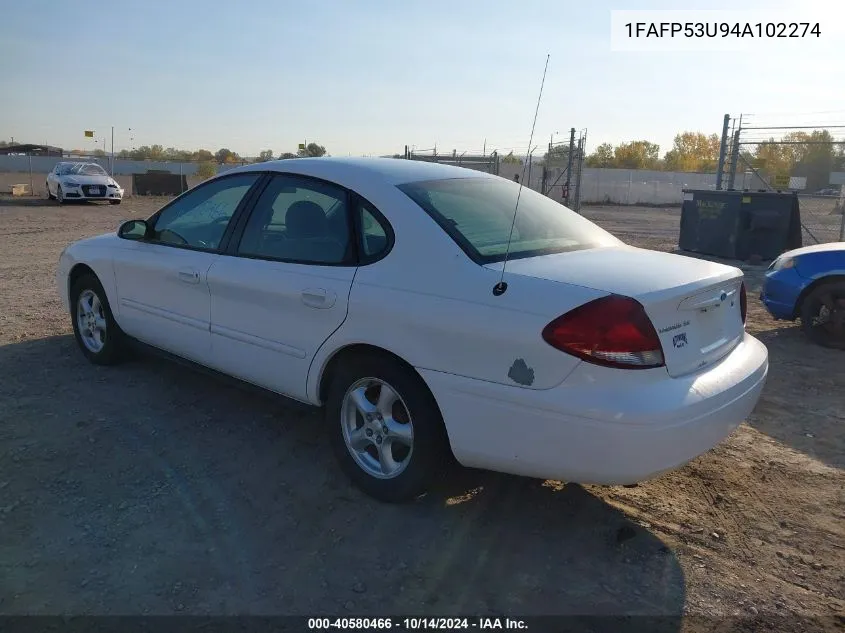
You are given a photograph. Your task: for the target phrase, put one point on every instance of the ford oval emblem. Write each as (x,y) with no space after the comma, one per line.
(723,296)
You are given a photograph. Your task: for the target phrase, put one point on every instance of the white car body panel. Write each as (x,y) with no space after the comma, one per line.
(599,427)
(268,323)
(163,297)
(268,319)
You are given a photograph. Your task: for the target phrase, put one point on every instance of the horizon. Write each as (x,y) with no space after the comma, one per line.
(370,77)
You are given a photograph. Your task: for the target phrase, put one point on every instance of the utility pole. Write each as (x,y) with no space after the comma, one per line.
(112,150)
(484,153)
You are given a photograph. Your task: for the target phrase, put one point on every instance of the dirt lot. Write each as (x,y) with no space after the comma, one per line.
(148,488)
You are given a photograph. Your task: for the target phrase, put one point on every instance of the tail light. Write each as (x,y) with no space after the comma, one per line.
(613,331)
(743,302)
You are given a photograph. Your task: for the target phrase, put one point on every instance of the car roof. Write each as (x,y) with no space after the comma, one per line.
(394,171)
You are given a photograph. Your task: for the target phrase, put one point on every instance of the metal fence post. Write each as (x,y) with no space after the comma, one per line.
(734,159)
(31,184)
(569,164)
(842,224)
(723,151)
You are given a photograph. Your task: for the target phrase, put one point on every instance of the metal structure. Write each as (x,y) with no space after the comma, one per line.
(807,156)
(488,163)
(557,174)
(562,169)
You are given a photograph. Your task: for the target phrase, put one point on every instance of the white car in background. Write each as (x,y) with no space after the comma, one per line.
(371,287)
(82,181)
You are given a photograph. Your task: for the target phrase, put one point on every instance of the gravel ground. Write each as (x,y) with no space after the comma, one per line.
(151,489)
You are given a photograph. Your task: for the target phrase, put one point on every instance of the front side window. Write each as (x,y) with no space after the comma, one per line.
(199,218)
(299,220)
(478,214)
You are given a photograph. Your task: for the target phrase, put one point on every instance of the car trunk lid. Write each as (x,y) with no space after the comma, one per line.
(693,304)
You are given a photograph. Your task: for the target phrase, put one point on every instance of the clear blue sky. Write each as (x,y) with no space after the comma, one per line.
(369,76)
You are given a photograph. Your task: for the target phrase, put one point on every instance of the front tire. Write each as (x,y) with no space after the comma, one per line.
(50,196)
(386,429)
(114,201)
(97,333)
(60,196)
(823,315)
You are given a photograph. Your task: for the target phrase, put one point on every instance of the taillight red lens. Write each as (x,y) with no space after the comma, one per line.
(613,331)
(743,302)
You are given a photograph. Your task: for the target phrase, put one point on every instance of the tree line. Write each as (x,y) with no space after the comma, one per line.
(222,156)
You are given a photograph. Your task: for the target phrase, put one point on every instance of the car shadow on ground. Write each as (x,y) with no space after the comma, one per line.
(26,201)
(150,488)
(796,366)
(42,201)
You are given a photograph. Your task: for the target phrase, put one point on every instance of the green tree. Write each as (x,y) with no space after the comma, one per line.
(224,155)
(637,155)
(510,159)
(286,156)
(312,150)
(693,152)
(156,152)
(601,157)
(206,169)
(202,155)
(814,159)
(99,153)
(265,155)
(171,153)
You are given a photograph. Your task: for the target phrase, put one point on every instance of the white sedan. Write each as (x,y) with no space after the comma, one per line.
(371,287)
(82,181)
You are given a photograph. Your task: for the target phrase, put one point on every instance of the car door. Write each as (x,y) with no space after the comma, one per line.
(283,288)
(163,296)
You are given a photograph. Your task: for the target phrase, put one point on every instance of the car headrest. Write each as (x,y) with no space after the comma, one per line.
(305,219)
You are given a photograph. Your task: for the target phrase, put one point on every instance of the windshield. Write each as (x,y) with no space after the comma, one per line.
(478,212)
(82,169)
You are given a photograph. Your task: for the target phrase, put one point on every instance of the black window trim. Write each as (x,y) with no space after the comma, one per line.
(354,259)
(227,233)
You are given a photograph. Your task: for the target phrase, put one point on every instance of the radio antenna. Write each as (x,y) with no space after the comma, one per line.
(499,288)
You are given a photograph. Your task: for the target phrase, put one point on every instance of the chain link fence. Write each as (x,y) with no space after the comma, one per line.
(806,156)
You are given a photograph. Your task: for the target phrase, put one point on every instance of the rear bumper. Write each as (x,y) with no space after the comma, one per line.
(595,428)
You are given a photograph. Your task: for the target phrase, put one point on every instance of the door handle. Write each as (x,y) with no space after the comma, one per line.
(318,298)
(189,275)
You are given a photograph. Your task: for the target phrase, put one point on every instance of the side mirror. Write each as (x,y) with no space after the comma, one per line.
(133,230)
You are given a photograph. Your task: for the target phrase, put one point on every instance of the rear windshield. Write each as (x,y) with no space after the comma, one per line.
(478,213)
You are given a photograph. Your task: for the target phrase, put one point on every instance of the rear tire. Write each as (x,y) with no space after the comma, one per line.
(97,333)
(823,315)
(114,201)
(402,450)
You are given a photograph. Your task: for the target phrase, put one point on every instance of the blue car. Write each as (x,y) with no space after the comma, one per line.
(809,284)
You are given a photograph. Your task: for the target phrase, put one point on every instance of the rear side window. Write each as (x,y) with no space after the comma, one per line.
(478,214)
(374,235)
